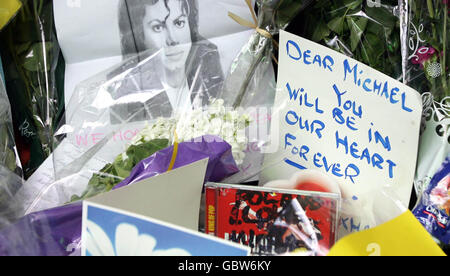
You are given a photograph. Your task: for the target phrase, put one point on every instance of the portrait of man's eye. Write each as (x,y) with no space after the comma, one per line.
(180,22)
(157,27)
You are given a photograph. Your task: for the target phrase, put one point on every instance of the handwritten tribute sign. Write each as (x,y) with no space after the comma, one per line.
(341,117)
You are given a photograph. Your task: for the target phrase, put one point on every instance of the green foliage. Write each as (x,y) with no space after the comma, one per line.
(287,10)
(368,34)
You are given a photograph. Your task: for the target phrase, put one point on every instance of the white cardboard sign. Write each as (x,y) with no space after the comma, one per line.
(172,197)
(343,118)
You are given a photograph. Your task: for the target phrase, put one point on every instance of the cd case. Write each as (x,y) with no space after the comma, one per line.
(273,221)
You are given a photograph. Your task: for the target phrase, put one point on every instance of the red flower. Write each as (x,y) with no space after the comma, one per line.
(423,54)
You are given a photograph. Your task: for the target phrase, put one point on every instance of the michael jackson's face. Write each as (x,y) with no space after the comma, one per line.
(167,28)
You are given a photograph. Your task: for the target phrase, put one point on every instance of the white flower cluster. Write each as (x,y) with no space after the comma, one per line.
(216,120)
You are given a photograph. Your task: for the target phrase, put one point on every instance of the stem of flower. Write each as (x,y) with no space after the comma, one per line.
(432,15)
(41,5)
(26,12)
(262,52)
(430,8)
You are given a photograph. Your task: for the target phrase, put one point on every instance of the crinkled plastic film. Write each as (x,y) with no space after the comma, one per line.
(105,135)
(10,167)
(433,206)
(250,84)
(426,47)
(425,54)
(34,73)
(425,58)
(125,114)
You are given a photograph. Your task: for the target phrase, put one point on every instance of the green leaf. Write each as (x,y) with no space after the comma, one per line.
(372,50)
(337,25)
(357,27)
(37,58)
(382,16)
(287,11)
(321,32)
(23,47)
(113,174)
(353,4)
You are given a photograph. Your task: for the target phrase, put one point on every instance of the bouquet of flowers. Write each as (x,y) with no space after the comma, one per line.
(214,120)
(251,80)
(34,80)
(250,83)
(105,136)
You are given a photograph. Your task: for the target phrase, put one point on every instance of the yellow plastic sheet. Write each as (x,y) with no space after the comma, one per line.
(8,8)
(403,236)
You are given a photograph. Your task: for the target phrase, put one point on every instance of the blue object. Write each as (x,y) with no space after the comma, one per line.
(433,209)
(166,237)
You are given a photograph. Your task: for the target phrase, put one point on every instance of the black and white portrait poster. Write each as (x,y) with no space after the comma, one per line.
(97,34)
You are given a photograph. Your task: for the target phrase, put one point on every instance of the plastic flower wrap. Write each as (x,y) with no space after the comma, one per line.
(426,47)
(214,120)
(10,168)
(217,120)
(250,82)
(433,207)
(425,51)
(34,80)
(120,116)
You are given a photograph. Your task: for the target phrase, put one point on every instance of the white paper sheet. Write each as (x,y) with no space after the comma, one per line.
(89,35)
(173,197)
(331,117)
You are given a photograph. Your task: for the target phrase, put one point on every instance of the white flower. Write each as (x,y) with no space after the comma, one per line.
(128,243)
(228,129)
(241,140)
(216,120)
